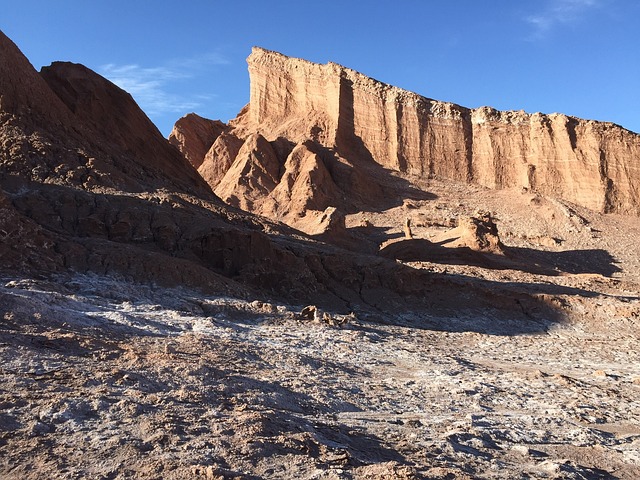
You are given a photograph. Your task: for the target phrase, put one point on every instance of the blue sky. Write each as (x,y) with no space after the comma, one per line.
(579,57)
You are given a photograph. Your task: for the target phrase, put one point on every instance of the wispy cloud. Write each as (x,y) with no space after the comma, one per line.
(199,62)
(152,87)
(560,12)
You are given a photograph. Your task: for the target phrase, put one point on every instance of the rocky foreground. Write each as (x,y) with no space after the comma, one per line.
(108,379)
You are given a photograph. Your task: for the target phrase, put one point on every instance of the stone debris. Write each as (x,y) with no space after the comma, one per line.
(311,312)
(156,386)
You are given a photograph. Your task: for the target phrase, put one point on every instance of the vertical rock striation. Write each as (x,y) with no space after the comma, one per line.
(593,164)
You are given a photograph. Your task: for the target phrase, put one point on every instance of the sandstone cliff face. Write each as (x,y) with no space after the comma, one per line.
(87,184)
(593,164)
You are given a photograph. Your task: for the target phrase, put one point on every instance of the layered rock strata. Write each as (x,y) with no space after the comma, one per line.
(88,184)
(593,164)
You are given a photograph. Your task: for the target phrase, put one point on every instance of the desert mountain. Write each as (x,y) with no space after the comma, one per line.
(358,124)
(90,185)
(150,330)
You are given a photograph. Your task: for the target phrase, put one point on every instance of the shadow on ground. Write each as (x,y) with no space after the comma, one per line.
(540,262)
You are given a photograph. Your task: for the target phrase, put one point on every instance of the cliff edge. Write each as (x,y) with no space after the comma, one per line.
(589,163)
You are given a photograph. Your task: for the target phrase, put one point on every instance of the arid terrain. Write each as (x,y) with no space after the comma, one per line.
(330,297)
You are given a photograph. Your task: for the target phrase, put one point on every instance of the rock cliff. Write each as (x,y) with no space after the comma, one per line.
(88,185)
(593,164)
(194,136)
(98,213)
(68,126)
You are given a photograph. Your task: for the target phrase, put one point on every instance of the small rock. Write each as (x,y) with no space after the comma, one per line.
(521,449)
(40,428)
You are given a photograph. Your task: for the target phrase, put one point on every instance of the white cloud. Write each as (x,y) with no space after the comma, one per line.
(198,62)
(560,12)
(151,86)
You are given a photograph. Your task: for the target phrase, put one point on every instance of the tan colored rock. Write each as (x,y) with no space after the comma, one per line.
(329,223)
(253,175)
(593,164)
(194,136)
(408,234)
(219,158)
(478,233)
(305,185)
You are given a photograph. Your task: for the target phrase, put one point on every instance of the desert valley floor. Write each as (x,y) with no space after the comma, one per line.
(104,378)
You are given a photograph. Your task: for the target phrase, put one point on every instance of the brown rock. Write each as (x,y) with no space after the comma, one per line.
(194,136)
(88,183)
(24,245)
(252,176)
(99,190)
(24,92)
(408,234)
(118,127)
(305,185)
(478,233)
(330,223)
(219,158)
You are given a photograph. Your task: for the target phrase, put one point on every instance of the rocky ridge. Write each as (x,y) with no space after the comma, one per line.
(354,119)
(105,193)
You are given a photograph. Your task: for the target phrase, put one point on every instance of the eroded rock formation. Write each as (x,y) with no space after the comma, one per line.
(593,164)
(88,184)
(194,136)
(478,233)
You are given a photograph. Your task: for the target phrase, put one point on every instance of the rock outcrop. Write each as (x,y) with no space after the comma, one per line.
(252,176)
(263,179)
(478,233)
(219,158)
(24,92)
(593,164)
(88,185)
(306,184)
(194,136)
(111,121)
(70,127)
